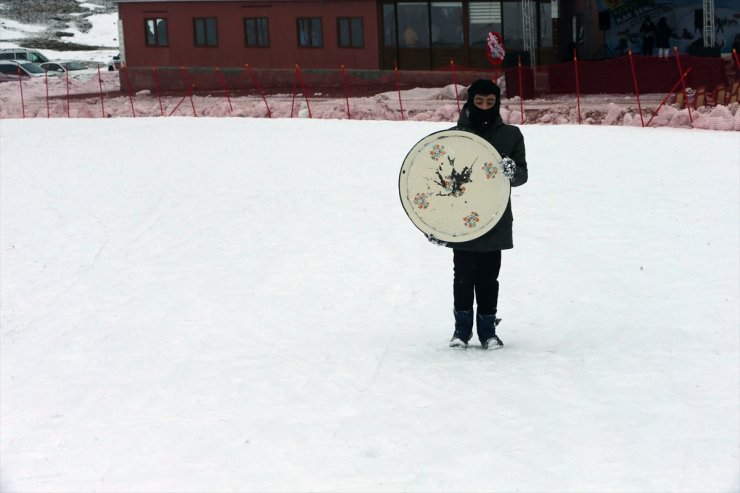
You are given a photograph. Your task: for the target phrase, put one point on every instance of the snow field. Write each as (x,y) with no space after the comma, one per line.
(242,305)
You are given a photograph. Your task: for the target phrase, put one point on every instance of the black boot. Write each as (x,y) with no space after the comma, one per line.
(487,331)
(463,328)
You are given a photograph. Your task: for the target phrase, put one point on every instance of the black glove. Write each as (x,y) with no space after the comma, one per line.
(509,167)
(434,240)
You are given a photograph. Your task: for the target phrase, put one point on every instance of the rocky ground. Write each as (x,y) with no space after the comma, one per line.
(57,15)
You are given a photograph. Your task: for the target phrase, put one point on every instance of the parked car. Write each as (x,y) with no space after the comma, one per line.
(62,66)
(20,54)
(9,70)
(115,63)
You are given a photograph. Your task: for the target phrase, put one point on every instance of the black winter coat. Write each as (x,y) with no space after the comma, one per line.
(663,35)
(508,141)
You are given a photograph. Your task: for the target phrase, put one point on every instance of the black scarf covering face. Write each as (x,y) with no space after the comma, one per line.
(482,120)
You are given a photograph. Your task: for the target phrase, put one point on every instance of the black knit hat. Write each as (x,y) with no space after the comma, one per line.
(483,87)
(480,119)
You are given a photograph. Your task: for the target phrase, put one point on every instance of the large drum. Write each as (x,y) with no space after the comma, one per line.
(452,186)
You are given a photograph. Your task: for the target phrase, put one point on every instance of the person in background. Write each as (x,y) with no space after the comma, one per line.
(736,43)
(410,38)
(477,262)
(648,33)
(663,34)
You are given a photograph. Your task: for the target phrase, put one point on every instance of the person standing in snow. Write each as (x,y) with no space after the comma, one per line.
(477,262)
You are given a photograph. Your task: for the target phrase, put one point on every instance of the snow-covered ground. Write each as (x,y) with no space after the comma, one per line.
(214,305)
(104,31)
(11,29)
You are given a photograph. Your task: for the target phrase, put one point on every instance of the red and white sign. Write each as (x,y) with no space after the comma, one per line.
(496,51)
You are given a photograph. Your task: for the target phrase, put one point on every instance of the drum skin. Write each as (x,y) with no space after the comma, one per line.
(452,186)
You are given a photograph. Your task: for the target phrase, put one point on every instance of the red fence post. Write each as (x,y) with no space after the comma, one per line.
(259,89)
(46,83)
(454,82)
(189,93)
(303,89)
(20,83)
(295,87)
(102,105)
(178,104)
(398,88)
(667,96)
(225,87)
(521,91)
(578,85)
(346,95)
(159,94)
(66,73)
(130,97)
(683,82)
(737,59)
(637,90)
(186,93)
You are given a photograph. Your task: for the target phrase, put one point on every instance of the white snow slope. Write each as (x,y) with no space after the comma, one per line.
(212,305)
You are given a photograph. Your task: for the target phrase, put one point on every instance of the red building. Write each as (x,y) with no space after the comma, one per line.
(270,34)
(369,37)
(360,34)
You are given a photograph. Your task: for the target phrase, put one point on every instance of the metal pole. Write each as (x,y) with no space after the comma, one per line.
(708,23)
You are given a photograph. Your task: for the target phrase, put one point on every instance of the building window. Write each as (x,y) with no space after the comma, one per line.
(513,30)
(577,29)
(413,24)
(206,33)
(351,33)
(389,25)
(546,25)
(256,32)
(156,32)
(310,32)
(485,17)
(447,24)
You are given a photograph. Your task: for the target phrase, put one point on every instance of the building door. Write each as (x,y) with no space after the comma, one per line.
(414,39)
(546,53)
(424,35)
(448,34)
(389,36)
(406,37)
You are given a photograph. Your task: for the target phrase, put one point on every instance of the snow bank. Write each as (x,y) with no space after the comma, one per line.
(419,104)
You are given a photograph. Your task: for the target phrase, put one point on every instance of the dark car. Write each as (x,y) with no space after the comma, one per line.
(9,70)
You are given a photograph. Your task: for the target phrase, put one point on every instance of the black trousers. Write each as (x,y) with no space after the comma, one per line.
(476,276)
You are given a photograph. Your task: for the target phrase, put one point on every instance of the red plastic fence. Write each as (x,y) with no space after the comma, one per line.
(626,75)
(613,76)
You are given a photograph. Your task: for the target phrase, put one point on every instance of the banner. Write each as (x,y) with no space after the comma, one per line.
(629,29)
(495,49)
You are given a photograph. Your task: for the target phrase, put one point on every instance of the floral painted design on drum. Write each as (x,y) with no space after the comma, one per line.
(490,169)
(452,188)
(472,219)
(437,151)
(421,200)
